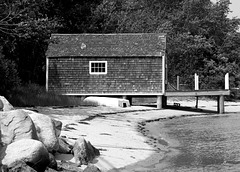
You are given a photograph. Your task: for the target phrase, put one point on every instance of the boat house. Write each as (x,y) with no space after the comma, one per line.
(122,65)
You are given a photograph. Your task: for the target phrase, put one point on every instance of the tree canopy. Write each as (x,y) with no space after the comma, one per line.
(200,37)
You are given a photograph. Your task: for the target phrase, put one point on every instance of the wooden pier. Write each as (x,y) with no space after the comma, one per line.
(162,100)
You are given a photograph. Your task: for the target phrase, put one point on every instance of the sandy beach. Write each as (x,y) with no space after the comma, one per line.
(124,136)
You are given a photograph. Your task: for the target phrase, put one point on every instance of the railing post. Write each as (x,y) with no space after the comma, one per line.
(196,82)
(178,82)
(227,81)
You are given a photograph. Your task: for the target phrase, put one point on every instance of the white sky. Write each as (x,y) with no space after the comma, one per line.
(234,7)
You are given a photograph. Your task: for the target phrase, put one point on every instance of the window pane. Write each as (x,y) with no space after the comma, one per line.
(98,67)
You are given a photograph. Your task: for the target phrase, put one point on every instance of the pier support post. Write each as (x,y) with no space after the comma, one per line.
(196,102)
(220,104)
(159,102)
(164,101)
(130,100)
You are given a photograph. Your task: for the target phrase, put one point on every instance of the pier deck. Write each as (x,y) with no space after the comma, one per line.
(162,100)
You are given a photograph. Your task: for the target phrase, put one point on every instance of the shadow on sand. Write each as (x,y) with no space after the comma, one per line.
(182,108)
(190,109)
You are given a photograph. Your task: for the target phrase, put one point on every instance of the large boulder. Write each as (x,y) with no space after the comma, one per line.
(30,151)
(45,130)
(17,167)
(64,147)
(53,162)
(16,125)
(84,152)
(58,126)
(68,166)
(6,106)
(1,105)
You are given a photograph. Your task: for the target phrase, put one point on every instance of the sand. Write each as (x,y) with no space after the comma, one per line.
(124,135)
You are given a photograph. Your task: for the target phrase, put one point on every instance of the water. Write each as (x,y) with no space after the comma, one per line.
(209,143)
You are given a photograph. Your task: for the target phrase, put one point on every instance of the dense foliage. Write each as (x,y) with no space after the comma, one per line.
(200,37)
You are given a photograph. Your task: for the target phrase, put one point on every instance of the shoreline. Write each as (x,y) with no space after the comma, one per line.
(120,133)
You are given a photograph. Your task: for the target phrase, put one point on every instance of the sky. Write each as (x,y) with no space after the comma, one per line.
(234,7)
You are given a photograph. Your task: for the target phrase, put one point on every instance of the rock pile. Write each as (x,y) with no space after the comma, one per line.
(29,141)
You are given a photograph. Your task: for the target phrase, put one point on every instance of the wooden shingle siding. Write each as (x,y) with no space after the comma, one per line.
(70,75)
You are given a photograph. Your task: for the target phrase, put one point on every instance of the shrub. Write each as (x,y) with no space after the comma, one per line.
(35,95)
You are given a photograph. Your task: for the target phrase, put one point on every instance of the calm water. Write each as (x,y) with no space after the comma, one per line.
(202,143)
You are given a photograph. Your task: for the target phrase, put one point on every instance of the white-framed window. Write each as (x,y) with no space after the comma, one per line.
(98,67)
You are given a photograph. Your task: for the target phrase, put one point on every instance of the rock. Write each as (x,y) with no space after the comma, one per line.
(50,170)
(45,130)
(67,166)
(96,152)
(91,168)
(83,152)
(1,105)
(30,151)
(62,170)
(53,162)
(64,147)
(6,105)
(16,125)
(58,126)
(17,167)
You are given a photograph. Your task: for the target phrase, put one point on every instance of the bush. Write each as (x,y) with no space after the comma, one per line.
(35,95)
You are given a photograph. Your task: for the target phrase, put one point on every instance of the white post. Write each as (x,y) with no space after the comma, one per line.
(163,74)
(196,82)
(178,83)
(47,72)
(227,81)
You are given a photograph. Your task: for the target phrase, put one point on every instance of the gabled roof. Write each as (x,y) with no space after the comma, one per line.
(70,45)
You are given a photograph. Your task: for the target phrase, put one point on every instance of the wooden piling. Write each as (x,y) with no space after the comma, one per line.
(220,105)
(159,102)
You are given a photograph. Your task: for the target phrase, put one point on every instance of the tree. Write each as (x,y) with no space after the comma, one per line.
(197,40)
(133,16)
(24,30)
(75,16)
(9,76)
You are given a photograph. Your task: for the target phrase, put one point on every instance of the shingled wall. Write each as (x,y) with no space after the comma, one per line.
(126,75)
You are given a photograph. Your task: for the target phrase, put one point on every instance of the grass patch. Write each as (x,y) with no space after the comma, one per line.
(35,95)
